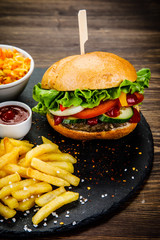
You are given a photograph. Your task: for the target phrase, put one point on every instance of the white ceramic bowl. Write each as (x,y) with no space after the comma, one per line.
(12,90)
(19,130)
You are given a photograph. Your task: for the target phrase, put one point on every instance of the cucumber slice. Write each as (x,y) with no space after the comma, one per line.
(125,115)
(71,120)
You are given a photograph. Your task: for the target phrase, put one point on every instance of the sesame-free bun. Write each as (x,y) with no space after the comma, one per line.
(83,135)
(95,70)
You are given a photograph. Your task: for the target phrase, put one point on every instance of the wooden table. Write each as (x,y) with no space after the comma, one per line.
(48,30)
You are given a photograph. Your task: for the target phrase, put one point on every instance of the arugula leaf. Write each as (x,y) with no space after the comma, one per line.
(51,99)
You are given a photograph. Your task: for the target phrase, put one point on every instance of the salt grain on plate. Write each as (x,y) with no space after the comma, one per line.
(34,225)
(27,229)
(104,195)
(36,209)
(54,214)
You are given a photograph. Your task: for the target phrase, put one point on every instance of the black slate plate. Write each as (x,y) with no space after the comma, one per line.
(110,172)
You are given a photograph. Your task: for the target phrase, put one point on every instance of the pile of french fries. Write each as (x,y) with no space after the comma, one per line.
(34,175)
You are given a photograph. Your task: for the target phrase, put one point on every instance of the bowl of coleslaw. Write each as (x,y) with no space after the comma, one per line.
(16,67)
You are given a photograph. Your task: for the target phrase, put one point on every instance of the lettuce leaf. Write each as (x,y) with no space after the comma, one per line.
(51,99)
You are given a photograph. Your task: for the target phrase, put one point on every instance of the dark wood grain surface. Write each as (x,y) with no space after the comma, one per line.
(48,30)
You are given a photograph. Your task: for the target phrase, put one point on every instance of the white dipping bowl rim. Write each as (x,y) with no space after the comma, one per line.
(28,74)
(27,121)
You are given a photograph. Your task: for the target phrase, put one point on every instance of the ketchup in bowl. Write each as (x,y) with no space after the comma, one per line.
(13,114)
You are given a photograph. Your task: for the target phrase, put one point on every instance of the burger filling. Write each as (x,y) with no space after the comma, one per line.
(99,127)
(94,110)
(93,126)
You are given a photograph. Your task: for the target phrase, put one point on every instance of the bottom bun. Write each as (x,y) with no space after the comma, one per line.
(115,133)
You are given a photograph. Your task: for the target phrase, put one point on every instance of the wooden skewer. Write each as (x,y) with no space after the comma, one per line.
(83,30)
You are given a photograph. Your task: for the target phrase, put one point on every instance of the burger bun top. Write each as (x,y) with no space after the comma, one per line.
(95,70)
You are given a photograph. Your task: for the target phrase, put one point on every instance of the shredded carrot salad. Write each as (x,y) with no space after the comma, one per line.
(13,66)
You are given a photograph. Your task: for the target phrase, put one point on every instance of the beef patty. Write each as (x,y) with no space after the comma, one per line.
(99,127)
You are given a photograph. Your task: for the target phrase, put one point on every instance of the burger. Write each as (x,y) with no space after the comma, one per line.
(92,96)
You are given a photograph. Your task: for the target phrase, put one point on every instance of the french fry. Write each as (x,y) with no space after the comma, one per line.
(39,150)
(23,146)
(64,157)
(13,168)
(9,179)
(18,143)
(23,149)
(21,162)
(8,146)
(40,165)
(26,204)
(55,171)
(46,178)
(47,141)
(6,191)
(2,150)
(11,157)
(47,197)
(3,173)
(64,165)
(11,202)
(37,188)
(6,212)
(53,205)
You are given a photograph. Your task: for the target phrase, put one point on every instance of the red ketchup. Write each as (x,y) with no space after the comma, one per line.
(92,121)
(114,112)
(13,114)
(136,116)
(58,120)
(135,98)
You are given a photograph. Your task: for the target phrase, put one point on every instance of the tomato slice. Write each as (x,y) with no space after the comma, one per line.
(96,111)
